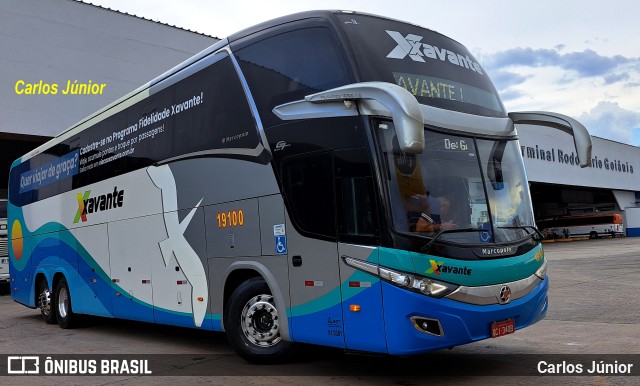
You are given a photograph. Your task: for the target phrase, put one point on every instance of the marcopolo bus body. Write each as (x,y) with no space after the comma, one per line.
(328,177)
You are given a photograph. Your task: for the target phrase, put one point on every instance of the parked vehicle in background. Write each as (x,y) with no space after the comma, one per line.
(4,246)
(593,226)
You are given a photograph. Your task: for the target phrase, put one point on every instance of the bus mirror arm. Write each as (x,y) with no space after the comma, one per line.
(405,110)
(581,136)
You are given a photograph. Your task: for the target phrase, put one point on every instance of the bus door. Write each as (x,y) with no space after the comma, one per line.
(358,236)
(314,276)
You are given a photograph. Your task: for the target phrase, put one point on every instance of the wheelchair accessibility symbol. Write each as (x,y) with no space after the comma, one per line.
(281,245)
(485,237)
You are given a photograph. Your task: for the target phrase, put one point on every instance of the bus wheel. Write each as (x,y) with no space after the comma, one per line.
(252,324)
(64,313)
(593,235)
(44,303)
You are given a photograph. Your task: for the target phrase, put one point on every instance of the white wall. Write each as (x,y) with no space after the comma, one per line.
(60,40)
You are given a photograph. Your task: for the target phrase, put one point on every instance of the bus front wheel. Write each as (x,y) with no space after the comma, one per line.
(252,323)
(593,235)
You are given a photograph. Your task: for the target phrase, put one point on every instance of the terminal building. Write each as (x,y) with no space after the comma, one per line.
(98,55)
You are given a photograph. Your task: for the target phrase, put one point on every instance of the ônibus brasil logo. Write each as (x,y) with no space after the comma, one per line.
(88,204)
(412,46)
(438,267)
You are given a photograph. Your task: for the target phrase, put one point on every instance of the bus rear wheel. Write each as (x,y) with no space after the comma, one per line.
(593,235)
(64,312)
(252,324)
(44,303)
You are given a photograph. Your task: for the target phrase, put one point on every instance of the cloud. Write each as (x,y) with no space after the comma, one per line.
(615,78)
(511,94)
(609,120)
(587,63)
(504,79)
(523,76)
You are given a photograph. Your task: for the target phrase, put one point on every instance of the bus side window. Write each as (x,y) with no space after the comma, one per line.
(355,197)
(307,182)
(290,65)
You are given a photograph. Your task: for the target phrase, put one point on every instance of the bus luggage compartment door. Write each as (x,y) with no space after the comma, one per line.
(132,254)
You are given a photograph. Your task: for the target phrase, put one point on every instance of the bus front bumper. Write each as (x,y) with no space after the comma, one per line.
(451,323)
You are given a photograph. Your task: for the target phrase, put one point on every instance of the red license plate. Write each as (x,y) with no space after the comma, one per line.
(503,328)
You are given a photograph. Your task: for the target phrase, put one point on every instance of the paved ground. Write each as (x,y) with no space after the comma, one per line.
(594,309)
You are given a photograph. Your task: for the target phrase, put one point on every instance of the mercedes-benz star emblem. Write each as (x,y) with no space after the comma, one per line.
(505,294)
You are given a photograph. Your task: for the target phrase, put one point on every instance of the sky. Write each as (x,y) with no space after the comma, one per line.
(575,57)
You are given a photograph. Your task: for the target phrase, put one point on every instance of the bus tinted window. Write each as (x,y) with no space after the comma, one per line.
(439,71)
(291,65)
(308,186)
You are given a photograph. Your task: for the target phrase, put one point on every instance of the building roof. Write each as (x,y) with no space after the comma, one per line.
(142,18)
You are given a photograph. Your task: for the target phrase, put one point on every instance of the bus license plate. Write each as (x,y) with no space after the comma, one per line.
(503,328)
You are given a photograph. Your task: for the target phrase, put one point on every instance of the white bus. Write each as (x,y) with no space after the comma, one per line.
(275,187)
(590,225)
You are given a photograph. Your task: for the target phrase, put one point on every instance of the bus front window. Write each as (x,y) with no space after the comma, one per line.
(506,185)
(467,190)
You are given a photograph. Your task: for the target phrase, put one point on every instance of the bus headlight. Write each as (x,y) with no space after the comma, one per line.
(542,271)
(412,282)
(424,285)
(401,279)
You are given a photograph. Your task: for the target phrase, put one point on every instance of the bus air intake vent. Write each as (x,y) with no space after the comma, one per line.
(428,326)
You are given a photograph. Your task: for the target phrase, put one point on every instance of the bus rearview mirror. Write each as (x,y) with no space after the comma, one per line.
(581,136)
(405,110)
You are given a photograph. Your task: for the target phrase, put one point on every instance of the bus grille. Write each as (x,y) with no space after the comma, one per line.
(4,247)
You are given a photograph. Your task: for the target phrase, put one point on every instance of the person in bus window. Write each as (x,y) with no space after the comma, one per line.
(433,215)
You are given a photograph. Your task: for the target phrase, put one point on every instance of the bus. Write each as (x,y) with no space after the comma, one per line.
(276,186)
(591,225)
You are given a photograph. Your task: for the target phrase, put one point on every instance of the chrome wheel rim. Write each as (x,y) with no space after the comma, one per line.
(259,321)
(63,302)
(44,301)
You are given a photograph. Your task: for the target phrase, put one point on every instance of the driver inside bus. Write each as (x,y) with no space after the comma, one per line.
(430,214)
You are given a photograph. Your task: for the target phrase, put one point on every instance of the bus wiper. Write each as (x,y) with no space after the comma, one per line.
(526,228)
(427,247)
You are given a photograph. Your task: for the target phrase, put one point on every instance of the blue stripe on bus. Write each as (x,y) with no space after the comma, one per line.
(50,253)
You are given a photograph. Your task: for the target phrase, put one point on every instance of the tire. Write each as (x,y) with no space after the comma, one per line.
(62,306)
(45,298)
(593,235)
(252,324)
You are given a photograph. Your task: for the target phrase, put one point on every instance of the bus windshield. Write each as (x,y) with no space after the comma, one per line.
(437,70)
(472,190)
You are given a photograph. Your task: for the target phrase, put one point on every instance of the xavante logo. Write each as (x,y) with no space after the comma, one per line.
(412,46)
(435,267)
(88,204)
(438,267)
